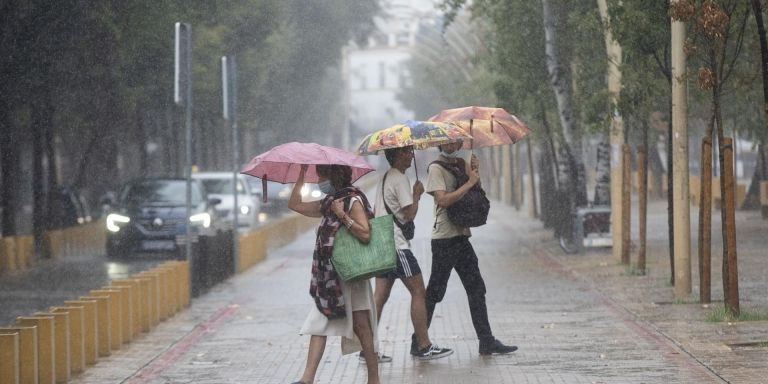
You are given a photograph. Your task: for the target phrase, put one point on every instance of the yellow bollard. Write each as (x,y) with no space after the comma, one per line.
(27,353)
(136,302)
(162,293)
(103,322)
(25,246)
(9,358)
(76,336)
(169,289)
(153,299)
(126,310)
(115,316)
(62,365)
(9,252)
(46,342)
(90,329)
(145,312)
(172,274)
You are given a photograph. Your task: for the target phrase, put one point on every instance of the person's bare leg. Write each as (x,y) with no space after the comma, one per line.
(415,285)
(315,354)
(381,294)
(361,322)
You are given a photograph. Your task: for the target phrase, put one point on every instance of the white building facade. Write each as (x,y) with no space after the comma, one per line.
(375,73)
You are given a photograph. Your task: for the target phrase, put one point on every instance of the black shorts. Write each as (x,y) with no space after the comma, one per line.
(407,266)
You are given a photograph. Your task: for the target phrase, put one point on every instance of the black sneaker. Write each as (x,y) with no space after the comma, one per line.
(382,358)
(495,346)
(433,352)
(414,345)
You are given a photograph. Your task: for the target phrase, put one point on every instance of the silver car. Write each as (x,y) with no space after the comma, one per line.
(219,185)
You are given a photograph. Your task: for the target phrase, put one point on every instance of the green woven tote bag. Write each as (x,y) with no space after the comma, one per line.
(354,260)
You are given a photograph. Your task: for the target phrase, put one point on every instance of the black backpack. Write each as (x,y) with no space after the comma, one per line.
(472,209)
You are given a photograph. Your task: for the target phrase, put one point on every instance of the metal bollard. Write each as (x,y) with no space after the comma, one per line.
(158,295)
(126,309)
(90,329)
(46,366)
(103,322)
(136,302)
(171,272)
(115,316)
(153,298)
(76,336)
(9,358)
(145,319)
(27,353)
(62,365)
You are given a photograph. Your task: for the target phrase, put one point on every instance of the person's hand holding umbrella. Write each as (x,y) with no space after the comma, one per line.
(311,208)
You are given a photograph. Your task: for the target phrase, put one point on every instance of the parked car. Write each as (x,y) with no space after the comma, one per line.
(219,185)
(276,202)
(150,216)
(279,194)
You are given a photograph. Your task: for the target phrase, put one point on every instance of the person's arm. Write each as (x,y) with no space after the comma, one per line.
(310,209)
(409,212)
(445,199)
(356,220)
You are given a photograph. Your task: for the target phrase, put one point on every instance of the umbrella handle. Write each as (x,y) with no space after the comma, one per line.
(264,188)
(415,168)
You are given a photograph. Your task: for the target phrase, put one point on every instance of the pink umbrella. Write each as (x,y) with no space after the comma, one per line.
(283,162)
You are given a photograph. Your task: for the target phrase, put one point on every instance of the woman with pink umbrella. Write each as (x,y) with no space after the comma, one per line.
(341,308)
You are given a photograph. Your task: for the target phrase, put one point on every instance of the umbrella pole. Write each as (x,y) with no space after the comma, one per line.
(415,168)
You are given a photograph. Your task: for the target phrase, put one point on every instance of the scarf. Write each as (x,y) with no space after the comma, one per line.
(325,286)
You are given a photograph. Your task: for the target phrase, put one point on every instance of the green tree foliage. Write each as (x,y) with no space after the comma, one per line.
(86,88)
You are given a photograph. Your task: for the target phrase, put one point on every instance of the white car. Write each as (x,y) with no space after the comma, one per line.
(219,185)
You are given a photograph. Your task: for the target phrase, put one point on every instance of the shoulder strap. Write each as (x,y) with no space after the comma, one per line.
(384,199)
(455,169)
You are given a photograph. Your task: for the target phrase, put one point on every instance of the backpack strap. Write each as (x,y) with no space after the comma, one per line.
(457,170)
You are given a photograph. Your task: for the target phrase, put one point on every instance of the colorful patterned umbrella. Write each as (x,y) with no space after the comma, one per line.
(488,126)
(419,134)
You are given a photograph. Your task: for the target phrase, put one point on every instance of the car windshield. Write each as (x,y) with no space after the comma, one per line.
(160,192)
(222,186)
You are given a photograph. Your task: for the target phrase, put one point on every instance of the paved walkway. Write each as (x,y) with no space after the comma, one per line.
(576,319)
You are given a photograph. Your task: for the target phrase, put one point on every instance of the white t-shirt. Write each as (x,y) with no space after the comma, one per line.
(440,179)
(398,194)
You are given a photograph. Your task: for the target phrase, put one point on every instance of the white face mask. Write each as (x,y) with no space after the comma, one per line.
(452,155)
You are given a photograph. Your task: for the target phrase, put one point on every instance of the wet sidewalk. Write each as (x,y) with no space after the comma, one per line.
(576,319)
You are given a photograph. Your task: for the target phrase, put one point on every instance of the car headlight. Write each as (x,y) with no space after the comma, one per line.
(244,209)
(304,190)
(114,221)
(201,218)
(316,193)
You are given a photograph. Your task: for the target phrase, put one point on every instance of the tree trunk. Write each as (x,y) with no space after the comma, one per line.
(8,163)
(39,214)
(670,197)
(682,230)
(571,132)
(657,169)
(603,174)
